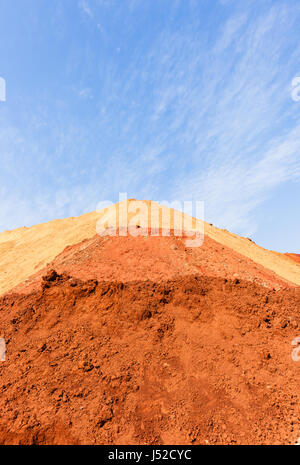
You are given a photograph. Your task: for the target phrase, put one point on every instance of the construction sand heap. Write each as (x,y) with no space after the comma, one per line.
(143,340)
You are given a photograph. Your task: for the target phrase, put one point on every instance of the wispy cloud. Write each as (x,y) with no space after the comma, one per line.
(85,7)
(85,93)
(249,134)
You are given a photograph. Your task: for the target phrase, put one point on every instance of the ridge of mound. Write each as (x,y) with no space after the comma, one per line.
(192,360)
(25,251)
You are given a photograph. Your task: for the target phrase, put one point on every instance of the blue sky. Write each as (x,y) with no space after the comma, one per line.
(162,99)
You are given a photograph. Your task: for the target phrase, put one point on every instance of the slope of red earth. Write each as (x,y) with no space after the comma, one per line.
(131,258)
(191,360)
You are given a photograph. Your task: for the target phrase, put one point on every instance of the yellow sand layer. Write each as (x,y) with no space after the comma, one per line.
(24,251)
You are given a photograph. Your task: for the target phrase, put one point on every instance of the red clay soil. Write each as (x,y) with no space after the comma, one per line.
(195,360)
(144,341)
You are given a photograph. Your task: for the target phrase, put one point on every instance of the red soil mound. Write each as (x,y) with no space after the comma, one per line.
(189,360)
(156,258)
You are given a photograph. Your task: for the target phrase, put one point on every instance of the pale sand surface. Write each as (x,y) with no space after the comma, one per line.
(24,251)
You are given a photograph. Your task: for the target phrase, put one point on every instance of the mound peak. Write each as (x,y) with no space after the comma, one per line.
(25,251)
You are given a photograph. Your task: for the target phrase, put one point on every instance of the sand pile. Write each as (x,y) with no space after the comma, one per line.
(143,340)
(193,360)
